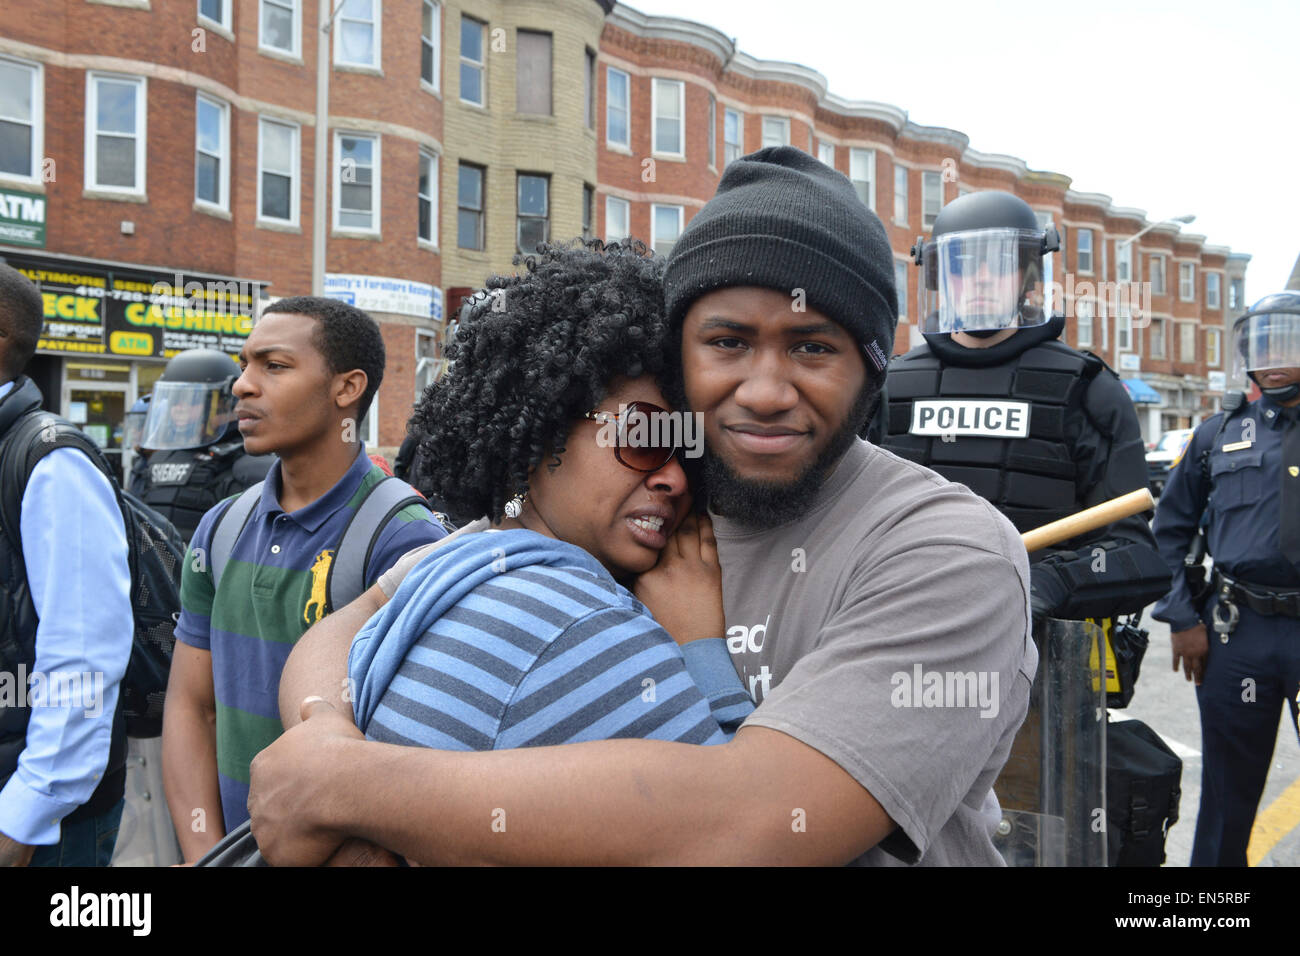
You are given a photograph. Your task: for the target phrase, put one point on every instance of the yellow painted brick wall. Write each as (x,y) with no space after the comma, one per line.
(507,142)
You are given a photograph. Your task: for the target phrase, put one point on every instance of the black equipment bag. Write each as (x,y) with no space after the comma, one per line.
(1143,778)
(1128,645)
(155,553)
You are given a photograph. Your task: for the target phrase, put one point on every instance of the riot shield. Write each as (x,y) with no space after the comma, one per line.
(1053,787)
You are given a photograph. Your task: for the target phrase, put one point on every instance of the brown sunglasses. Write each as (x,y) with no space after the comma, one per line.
(639,457)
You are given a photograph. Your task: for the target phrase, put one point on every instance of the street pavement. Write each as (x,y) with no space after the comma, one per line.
(1166,702)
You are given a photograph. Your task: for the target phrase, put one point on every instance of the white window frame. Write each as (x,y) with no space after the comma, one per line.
(482,205)
(1084,315)
(422,361)
(1123,329)
(519,215)
(626,108)
(1152,260)
(782,131)
(226,15)
(223,157)
(1159,324)
(37,119)
(616,203)
(1214,301)
(930,177)
(656,84)
(826,154)
(1237,302)
(480,65)
(141,133)
(739,145)
(858,158)
(1215,336)
(1186,282)
(295,48)
(434,173)
(376,203)
(1123,261)
(1186,333)
(654,221)
(434,42)
(376,25)
(902,194)
(295,165)
(1083,248)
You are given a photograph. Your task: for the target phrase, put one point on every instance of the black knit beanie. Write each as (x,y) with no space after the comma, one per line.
(782,220)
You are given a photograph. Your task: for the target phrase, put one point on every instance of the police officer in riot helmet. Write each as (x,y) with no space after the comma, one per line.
(1236,631)
(198,456)
(995,401)
(132,431)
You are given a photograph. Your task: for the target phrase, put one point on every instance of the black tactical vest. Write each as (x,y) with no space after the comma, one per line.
(184,483)
(18,622)
(999,429)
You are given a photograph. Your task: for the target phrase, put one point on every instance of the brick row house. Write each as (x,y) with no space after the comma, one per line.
(174,142)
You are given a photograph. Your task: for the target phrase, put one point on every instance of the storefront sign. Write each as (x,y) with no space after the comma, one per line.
(383,294)
(22,218)
(103,309)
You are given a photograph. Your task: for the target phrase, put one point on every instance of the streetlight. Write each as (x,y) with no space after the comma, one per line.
(1183,219)
(327,12)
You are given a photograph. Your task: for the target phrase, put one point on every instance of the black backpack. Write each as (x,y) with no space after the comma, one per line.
(155,553)
(1143,778)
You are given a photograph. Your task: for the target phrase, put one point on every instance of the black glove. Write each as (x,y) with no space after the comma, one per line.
(1047,590)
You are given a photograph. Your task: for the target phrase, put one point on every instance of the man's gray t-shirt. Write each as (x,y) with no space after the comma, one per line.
(888,628)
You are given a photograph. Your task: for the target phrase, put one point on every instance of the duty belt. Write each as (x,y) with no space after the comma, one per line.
(1259,599)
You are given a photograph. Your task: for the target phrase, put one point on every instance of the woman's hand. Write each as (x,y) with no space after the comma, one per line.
(684,590)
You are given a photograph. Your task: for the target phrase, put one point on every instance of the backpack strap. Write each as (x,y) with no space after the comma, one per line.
(347,574)
(228,529)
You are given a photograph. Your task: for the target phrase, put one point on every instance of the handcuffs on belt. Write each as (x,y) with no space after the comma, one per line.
(1223,626)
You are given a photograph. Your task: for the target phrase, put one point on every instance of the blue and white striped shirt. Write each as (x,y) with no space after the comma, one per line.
(511,639)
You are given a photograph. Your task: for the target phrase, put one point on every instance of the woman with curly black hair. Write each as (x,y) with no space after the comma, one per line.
(517,632)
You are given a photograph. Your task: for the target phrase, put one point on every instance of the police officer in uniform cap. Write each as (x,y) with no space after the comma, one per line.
(198,456)
(1236,493)
(995,401)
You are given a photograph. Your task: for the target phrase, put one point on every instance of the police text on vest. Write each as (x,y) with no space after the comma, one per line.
(975,417)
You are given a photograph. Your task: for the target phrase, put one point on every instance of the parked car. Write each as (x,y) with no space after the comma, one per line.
(1166,453)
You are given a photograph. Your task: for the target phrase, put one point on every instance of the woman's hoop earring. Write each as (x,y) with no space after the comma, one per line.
(515,506)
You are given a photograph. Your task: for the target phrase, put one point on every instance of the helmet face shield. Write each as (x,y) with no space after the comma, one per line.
(1267,340)
(983,280)
(132,429)
(187,415)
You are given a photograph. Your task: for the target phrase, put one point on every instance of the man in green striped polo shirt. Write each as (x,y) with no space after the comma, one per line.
(311,368)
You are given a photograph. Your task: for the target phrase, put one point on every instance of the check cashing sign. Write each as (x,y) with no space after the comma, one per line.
(103,308)
(976,417)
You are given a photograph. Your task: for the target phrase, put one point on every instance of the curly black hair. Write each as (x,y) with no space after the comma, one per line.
(533,353)
(346,337)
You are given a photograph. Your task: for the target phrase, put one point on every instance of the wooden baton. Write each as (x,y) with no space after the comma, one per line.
(1098,516)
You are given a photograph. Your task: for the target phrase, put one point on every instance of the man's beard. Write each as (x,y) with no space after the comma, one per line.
(767,504)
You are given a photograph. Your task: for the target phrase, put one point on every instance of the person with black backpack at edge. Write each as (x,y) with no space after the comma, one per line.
(266,564)
(65,619)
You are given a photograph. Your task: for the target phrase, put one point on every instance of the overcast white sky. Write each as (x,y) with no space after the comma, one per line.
(1173,108)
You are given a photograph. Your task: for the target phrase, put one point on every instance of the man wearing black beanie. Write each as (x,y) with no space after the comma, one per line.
(877,614)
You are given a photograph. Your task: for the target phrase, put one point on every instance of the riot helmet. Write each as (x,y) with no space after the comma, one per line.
(133,424)
(1266,337)
(982,268)
(192,403)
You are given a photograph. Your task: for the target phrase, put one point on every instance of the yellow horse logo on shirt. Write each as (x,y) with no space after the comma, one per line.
(319,573)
